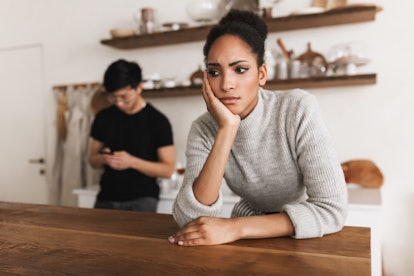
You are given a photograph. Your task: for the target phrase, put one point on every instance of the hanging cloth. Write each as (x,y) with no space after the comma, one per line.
(74,118)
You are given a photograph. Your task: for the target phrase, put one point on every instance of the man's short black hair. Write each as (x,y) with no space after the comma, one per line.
(121,74)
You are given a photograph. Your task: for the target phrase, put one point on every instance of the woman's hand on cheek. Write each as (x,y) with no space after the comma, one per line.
(216,108)
(205,231)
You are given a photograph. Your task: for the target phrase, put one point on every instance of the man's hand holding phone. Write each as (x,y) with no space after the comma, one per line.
(119,160)
(105,151)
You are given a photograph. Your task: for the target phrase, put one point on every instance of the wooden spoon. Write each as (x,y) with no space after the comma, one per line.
(283,48)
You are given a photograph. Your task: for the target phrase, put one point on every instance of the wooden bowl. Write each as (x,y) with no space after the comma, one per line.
(116,33)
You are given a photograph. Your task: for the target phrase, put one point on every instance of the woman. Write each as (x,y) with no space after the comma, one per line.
(272,148)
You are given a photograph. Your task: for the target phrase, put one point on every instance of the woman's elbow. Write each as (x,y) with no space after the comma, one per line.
(339,219)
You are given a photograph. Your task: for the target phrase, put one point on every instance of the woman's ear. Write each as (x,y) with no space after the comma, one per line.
(262,74)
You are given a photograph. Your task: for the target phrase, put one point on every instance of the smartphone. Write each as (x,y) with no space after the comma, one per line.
(105,151)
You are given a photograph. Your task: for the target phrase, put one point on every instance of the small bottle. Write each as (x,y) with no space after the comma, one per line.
(282,69)
(294,69)
(270,64)
(146,20)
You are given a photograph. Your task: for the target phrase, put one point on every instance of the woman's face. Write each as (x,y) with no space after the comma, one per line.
(233,74)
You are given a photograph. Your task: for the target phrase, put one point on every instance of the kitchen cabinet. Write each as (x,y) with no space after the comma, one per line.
(364,209)
(338,16)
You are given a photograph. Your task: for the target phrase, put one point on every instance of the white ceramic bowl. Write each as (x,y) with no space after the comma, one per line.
(204,10)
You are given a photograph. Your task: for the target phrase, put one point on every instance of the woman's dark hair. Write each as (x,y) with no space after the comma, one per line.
(246,25)
(121,74)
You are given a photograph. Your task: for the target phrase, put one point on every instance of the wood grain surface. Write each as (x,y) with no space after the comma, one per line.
(56,240)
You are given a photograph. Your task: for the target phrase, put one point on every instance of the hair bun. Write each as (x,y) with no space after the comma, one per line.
(248,18)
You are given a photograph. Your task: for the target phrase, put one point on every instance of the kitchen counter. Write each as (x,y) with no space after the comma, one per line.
(168,192)
(365,208)
(56,240)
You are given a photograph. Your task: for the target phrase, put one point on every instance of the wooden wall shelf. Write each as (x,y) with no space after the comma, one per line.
(309,83)
(338,16)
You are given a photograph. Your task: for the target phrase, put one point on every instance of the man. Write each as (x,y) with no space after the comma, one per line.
(133,141)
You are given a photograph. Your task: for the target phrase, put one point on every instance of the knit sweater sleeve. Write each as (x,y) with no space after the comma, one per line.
(200,140)
(325,209)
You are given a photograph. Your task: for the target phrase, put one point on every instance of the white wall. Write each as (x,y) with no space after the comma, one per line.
(373,122)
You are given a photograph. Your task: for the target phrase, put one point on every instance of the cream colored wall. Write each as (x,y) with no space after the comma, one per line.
(372,121)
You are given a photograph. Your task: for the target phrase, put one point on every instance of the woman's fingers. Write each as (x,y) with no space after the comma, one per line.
(208,94)
(187,238)
(204,231)
(189,235)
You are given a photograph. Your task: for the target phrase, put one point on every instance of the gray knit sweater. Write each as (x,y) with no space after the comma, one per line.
(282,160)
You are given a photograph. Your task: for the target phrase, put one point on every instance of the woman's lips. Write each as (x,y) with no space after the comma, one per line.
(229,100)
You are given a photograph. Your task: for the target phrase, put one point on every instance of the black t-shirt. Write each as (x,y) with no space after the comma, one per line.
(139,134)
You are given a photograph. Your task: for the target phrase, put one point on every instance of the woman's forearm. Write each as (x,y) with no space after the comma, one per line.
(266,226)
(212,230)
(207,185)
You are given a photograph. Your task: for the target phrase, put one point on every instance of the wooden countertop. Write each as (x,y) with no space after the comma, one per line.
(56,240)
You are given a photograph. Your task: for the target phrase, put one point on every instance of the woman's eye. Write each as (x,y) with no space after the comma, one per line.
(213,73)
(241,69)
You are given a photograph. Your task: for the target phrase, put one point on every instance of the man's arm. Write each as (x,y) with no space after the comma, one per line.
(165,167)
(96,160)
(122,160)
